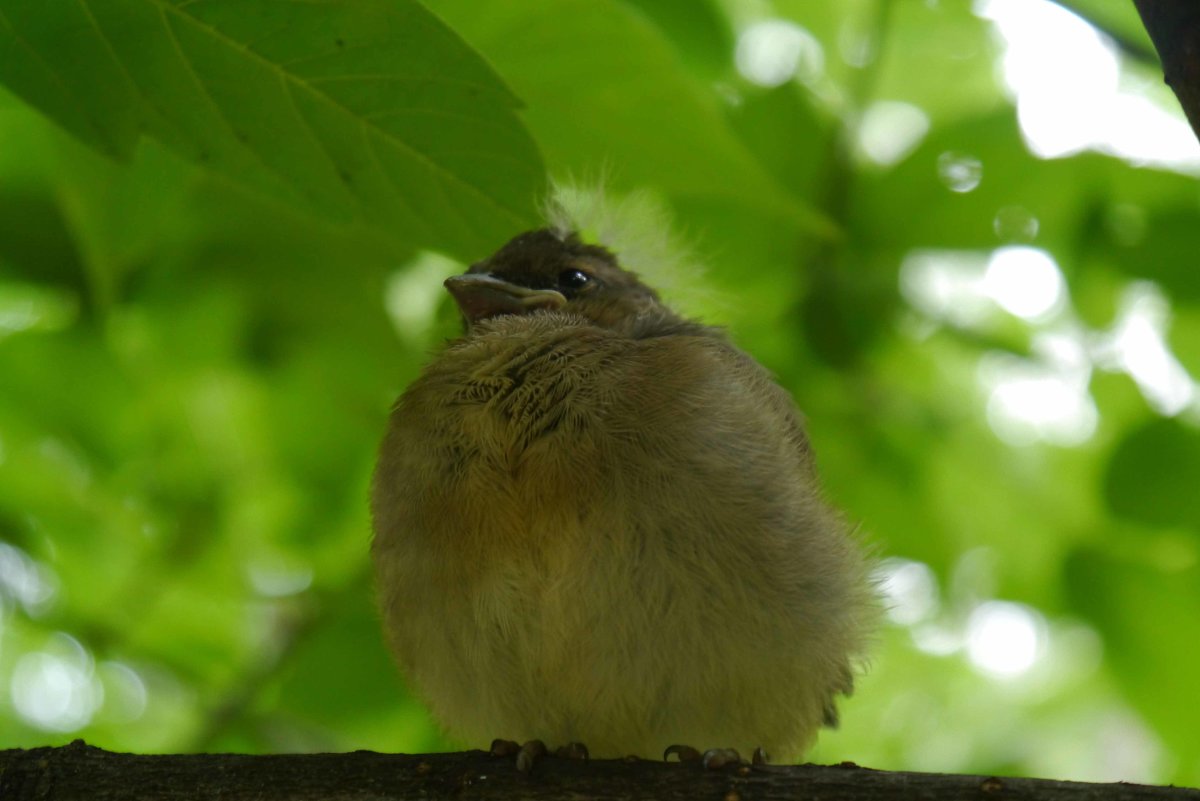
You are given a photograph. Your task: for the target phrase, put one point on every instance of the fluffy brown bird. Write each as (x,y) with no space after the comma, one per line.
(597,521)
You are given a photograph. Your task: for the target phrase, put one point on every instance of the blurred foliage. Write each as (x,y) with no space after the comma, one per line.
(219,228)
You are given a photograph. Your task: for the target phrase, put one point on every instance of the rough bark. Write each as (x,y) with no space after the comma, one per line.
(79,771)
(1174,27)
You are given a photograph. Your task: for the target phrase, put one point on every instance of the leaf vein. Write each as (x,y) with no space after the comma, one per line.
(414,153)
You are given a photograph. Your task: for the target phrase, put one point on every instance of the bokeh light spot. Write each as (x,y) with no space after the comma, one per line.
(773,51)
(56,689)
(1004,639)
(959,172)
(1025,281)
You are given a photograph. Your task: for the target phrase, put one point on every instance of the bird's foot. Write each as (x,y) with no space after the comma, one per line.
(713,758)
(529,752)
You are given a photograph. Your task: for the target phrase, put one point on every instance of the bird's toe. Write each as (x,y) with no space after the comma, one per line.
(528,754)
(713,758)
(572,751)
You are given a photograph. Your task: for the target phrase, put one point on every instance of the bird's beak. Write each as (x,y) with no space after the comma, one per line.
(481,296)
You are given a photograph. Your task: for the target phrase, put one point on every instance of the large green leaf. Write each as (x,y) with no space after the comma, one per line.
(1146,612)
(364,109)
(920,202)
(904,51)
(702,34)
(789,134)
(1153,474)
(928,41)
(609,96)
(1146,242)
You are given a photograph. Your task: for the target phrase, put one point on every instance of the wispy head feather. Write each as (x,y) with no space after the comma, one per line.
(638,229)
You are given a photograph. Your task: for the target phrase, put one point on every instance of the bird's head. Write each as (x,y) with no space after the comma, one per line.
(544,270)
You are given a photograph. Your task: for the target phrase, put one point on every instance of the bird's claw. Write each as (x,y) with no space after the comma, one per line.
(685,753)
(528,753)
(500,747)
(713,758)
(572,751)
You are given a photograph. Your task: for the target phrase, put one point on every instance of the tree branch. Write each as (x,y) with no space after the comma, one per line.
(1174,27)
(78,771)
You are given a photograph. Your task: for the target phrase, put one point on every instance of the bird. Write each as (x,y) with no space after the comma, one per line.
(597,521)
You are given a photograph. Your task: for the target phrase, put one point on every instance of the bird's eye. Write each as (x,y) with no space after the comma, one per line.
(573,279)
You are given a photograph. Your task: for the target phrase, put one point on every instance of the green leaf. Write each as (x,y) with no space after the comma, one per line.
(1147,617)
(917,203)
(701,33)
(927,42)
(904,51)
(608,96)
(359,110)
(1147,243)
(1153,474)
(789,135)
(1059,194)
